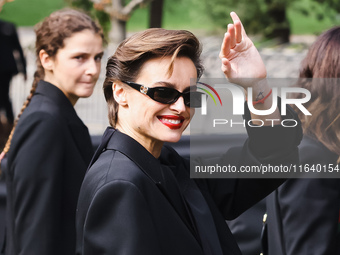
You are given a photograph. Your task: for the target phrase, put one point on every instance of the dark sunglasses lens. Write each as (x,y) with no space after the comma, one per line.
(168,96)
(195,99)
(165,95)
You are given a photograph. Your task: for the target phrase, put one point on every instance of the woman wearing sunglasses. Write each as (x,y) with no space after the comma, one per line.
(137,196)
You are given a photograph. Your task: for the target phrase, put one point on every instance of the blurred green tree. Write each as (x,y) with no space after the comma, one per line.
(267,17)
(112,14)
(100,15)
(2,2)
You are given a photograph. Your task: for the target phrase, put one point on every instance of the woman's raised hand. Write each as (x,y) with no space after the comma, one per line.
(241,62)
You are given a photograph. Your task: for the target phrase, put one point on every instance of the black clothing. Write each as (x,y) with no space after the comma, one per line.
(9,43)
(303,214)
(132,203)
(50,151)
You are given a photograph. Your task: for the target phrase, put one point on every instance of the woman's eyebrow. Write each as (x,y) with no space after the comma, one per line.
(100,54)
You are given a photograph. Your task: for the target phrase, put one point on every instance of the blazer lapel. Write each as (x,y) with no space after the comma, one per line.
(160,174)
(82,139)
(198,205)
(201,212)
(175,197)
(137,153)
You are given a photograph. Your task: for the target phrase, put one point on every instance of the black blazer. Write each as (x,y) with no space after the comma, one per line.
(133,203)
(303,214)
(49,154)
(9,42)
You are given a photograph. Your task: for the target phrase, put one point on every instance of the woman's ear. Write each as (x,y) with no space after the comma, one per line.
(45,60)
(119,94)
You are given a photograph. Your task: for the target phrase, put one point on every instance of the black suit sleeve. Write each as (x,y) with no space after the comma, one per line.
(265,145)
(118,219)
(37,172)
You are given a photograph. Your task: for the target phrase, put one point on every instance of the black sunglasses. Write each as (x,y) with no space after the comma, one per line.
(165,95)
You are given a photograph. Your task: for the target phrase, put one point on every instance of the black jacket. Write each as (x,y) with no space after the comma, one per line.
(303,214)
(49,154)
(132,203)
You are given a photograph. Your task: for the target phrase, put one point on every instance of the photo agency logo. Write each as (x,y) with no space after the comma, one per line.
(204,87)
(218,93)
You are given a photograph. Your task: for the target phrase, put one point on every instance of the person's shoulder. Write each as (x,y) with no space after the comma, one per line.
(44,104)
(112,166)
(34,134)
(41,114)
(4,22)
(311,150)
(38,122)
(43,108)
(7,28)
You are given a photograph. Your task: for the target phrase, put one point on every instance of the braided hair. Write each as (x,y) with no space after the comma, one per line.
(50,36)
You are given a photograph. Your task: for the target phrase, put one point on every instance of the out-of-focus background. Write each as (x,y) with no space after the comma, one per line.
(282,31)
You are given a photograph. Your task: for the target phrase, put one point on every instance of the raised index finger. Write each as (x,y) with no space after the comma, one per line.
(240,32)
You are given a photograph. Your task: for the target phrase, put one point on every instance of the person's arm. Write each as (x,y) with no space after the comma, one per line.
(118,222)
(242,65)
(36,166)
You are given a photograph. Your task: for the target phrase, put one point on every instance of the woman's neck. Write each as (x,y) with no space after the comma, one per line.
(151,145)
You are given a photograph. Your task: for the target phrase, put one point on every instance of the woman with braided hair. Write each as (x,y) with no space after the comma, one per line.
(49,148)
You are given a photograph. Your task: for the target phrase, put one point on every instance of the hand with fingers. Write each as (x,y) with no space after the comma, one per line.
(241,62)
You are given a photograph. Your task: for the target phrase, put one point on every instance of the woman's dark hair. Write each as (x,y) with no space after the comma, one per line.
(132,53)
(319,74)
(50,36)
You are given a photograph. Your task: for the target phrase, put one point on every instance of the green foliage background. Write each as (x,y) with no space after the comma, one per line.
(206,16)
(304,16)
(29,12)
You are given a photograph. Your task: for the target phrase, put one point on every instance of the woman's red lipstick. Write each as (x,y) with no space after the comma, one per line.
(172,121)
